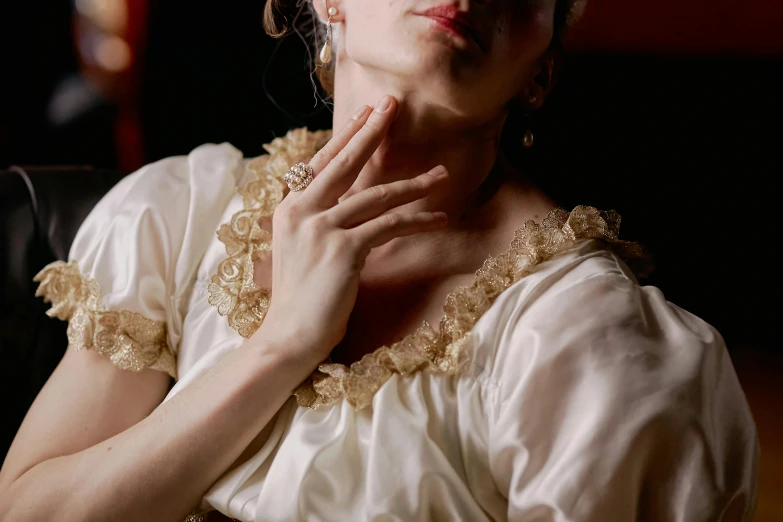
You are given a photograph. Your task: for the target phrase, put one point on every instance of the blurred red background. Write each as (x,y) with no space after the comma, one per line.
(715,27)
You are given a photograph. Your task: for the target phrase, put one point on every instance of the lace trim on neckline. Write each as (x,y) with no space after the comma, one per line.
(234,294)
(232,289)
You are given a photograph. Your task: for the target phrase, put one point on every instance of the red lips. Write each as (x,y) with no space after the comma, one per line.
(455,21)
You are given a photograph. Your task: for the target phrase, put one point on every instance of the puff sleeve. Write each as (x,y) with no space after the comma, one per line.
(133,258)
(627,408)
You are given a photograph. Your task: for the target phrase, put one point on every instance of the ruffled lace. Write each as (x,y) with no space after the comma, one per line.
(128,339)
(232,290)
(439,351)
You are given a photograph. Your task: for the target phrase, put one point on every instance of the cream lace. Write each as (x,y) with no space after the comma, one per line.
(128,339)
(439,351)
(232,290)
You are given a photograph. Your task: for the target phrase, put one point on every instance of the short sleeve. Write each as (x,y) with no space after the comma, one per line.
(617,405)
(134,255)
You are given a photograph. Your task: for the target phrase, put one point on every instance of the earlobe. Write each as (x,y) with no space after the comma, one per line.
(543,81)
(322,8)
(549,69)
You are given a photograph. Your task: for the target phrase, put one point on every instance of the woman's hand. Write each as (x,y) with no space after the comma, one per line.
(320,243)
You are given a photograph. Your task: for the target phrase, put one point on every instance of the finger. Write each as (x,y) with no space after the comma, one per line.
(336,143)
(337,177)
(374,201)
(340,139)
(383,229)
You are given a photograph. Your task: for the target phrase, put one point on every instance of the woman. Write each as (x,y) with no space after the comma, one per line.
(553,388)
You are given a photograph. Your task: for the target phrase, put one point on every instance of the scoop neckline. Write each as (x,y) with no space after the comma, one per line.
(438,351)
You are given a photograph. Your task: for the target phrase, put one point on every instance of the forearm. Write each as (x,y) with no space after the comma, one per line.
(158,469)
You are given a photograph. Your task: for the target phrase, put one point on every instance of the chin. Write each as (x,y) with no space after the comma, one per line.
(432,64)
(433,59)
(443,77)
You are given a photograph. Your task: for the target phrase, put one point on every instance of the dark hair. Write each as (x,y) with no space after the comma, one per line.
(282,16)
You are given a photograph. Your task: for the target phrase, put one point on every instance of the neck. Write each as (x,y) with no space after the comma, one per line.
(422,136)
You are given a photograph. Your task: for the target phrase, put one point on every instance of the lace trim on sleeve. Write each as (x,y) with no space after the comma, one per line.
(128,339)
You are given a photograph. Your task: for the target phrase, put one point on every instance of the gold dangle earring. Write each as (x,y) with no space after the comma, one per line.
(326,50)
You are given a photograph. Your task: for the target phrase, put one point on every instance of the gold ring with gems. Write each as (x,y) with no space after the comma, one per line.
(298,176)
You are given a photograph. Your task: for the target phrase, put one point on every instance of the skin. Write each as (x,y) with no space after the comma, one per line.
(453,118)
(381,226)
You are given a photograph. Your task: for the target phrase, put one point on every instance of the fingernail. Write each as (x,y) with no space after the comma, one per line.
(361,112)
(439,172)
(383,104)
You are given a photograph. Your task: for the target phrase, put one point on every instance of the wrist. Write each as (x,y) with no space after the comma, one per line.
(289,347)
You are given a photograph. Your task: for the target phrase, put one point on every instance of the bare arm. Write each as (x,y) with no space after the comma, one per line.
(89,448)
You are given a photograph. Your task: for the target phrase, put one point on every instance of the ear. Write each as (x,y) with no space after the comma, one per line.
(543,80)
(321,7)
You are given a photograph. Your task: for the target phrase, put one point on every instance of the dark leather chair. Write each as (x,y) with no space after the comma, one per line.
(41,210)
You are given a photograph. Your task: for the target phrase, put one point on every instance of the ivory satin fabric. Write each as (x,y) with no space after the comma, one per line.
(586,397)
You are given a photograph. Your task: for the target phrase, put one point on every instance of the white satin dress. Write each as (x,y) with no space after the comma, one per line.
(555,388)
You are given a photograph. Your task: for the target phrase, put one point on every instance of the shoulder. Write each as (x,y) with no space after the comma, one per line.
(141,243)
(167,194)
(207,166)
(583,314)
(592,369)
(631,393)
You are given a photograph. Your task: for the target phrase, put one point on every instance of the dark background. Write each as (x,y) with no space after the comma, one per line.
(668,113)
